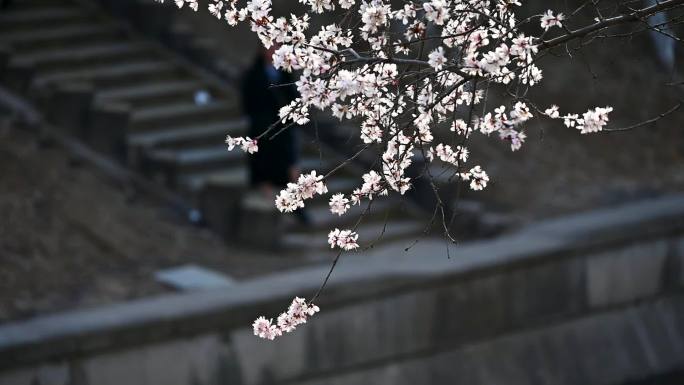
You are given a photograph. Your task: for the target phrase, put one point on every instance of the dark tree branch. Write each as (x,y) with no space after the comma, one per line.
(635,16)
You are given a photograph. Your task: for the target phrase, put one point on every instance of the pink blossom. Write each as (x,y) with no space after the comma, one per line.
(297,313)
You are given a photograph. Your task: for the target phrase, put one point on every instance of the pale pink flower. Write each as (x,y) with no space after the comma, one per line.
(436,58)
(264,328)
(548,20)
(296,314)
(339,204)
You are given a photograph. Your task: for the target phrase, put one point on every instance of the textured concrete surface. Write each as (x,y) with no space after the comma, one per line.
(387,312)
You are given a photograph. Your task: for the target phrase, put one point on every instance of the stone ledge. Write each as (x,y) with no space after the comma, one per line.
(608,348)
(357,277)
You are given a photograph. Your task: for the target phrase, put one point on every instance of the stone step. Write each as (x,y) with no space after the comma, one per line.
(50,16)
(33,4)
(180,162)
(369,235)
(320,214)
(152,94)
(188,136)
(181,114)
(62,37)
(108,76)
(60,59)
(234,176)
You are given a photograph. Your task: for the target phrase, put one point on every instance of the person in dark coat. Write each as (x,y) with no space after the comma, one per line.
(264,91)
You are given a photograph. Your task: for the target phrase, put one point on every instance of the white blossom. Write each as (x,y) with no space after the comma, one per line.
(343,239)
(297,313)
(594,120)
(418,102)
(552,112)
(548,20)
(215,8)
(436,59)
(246,143)
(293,196)
(264,328)
(339,204)
(477,177)
(436,11)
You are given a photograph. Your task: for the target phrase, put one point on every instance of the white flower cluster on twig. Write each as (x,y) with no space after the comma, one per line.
(297,314)
(245,143)
(293,197)
(414,78)
(590,122)
(344,239)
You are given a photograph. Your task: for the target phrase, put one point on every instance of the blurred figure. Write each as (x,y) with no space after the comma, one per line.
(264,91)
(4,4)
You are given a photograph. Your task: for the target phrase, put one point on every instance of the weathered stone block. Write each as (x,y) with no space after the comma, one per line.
(533,293)
(663,353)
(627,274)
(260,224)
(604,348)
(119,7)
(600,349)
(107,130)
(49,374)
(53,375)
(179,36)
(678,261)
(23,376)
(125,367)
(151,17)
(69,108)
(220,205)
(203,51)
(17,76)
(449,314)
(5,54)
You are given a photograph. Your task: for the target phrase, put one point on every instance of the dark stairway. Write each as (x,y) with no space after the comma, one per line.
(132,98)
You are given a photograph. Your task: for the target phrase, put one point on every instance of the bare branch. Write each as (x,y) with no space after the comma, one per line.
(609,22)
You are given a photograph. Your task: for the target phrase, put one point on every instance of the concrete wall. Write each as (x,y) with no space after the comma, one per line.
(591,299)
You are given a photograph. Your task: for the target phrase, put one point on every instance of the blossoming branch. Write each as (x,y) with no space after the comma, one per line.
(414,79)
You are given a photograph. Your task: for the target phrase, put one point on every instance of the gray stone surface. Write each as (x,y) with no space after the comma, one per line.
(600,355)
(260,224)
(220,203)
(5,54)
(17,76)
(626,274)
(193,277)
(514,282)
(69,108)
(457,313)
(107,130)
(678,258)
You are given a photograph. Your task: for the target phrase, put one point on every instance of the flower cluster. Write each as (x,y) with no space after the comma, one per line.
(296,314)
(339,204)
(293,197)
(246,143)
(477,177)
(548,20)
(591,121)
(399,101)
(413,77)
(344,239)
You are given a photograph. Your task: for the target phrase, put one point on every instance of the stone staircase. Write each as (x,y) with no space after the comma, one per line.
(128,96)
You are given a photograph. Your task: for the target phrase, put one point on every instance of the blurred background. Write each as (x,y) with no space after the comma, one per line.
(134,249)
